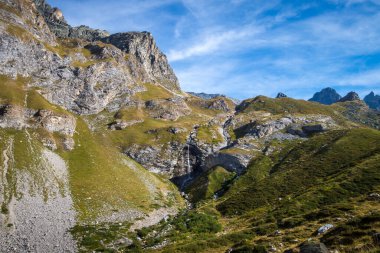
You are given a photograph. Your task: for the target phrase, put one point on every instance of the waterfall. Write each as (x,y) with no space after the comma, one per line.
(188,159)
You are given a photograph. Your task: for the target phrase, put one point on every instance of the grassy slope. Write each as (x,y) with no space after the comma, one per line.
(297,190)
(310,165)
(103,181)
(155,131)
(341,112)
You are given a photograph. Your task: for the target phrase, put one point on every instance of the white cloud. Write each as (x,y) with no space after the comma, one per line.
(210,43)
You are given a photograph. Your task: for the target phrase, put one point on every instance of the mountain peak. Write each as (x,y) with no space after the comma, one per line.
(351,96)
(281,95)
(326,96)
(372,100)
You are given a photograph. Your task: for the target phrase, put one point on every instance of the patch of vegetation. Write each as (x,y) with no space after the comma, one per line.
(102,177)
(19,32)
(314,173)
(355,235)
(10,9)
(358,111)
(12,91)
(246,248)
(67,47)
(105,237)
(209,183)
(153,91)
(196,223)
(288,105)
(209,134)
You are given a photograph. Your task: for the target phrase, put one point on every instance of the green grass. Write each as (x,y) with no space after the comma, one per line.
(209,134)
(101,237)
(354,235)
(209,183)
(67,47)
(100,177)
(288,106)
(153,92)
(12,91)
(311,174)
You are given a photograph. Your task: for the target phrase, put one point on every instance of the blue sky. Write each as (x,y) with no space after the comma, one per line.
(243,48)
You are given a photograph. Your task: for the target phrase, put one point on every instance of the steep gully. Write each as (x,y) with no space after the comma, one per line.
(197,160)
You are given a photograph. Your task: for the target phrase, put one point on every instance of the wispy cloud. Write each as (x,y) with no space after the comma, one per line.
(210,43)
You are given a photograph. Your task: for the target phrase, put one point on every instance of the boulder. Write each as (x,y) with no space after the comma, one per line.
(311,129)
(313,247)
(325,228)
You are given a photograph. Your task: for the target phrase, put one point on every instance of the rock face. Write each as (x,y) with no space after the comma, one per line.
(143,47)
(167,109)
(17,117)
(351,96)
(373,101)
(326,96)
(84,77)
(58,25)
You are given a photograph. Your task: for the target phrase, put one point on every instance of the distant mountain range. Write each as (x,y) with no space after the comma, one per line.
(326,96)
(329,96)
(211,96)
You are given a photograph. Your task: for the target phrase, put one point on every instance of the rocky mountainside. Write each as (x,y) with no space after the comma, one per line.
(101,151)
(326,96)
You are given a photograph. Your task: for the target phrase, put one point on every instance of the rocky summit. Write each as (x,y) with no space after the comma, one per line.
(101,151)
(326,96)
(351,96)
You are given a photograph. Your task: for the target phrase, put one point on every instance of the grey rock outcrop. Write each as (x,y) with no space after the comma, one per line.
(59,26)
(17,117)
(149,58)
(167,109)
(234,163)
(313,247)
(326,96)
